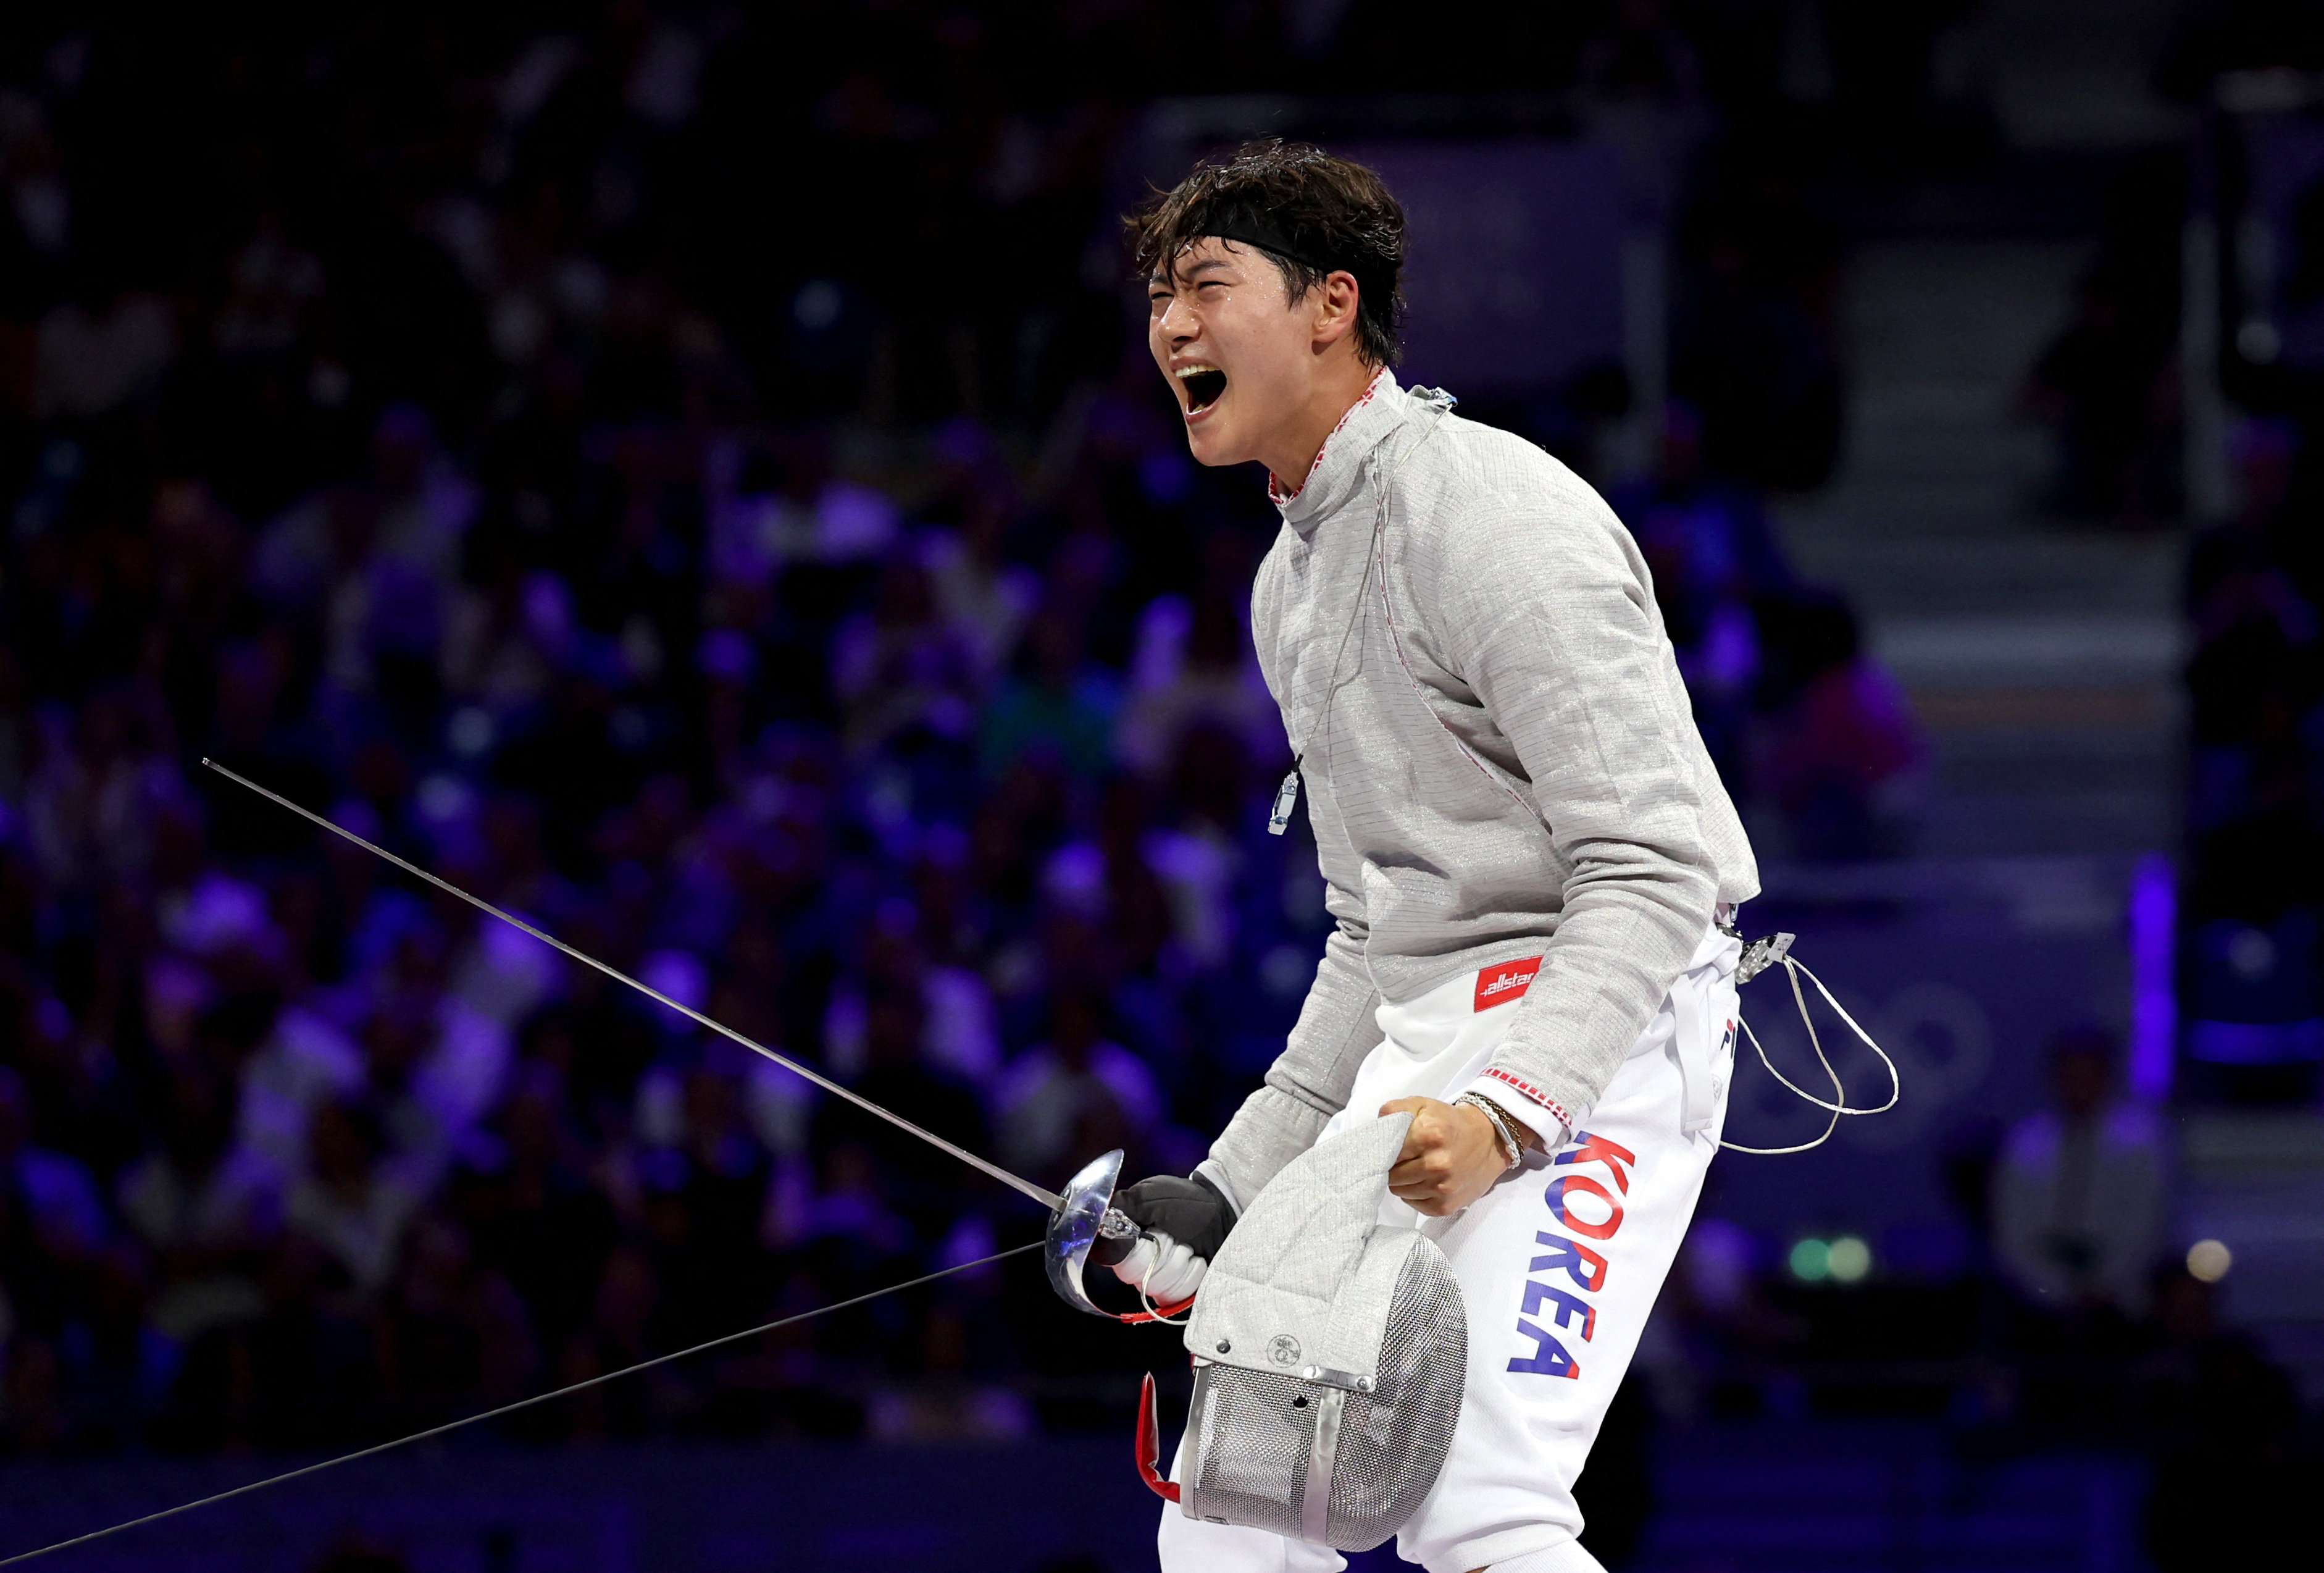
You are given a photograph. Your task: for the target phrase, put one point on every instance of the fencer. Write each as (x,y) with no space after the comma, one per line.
(1530,860)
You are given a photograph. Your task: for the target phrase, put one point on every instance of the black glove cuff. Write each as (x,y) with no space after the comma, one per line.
(1192,1212)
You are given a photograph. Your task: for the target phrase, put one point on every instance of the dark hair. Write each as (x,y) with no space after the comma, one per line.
(1309,213)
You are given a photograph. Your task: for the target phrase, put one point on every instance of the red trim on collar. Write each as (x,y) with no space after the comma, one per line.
(1275,492)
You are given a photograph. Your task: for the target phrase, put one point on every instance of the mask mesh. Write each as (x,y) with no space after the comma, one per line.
(1255,1431)
(1393,1440)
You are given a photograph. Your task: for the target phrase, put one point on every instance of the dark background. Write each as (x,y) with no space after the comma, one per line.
(691,474)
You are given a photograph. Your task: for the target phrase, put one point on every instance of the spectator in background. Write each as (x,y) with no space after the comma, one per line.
(349,1202)
(2236,1472)
(2078,1196)
(1060,703)
(1707,541)
(100,791)
(985,596)
(959,1034)
(505,637)
(105,348)
(454,1331)
(1641,82)
(526,1200)
(943,1403)
(1075,1095)
(2106,382)
(919,1182)
(205,1206)
(1194,667)
(301,1060)
(1754,348)
(1839,751)
(905,664)
(54,1219)
(704,1200)
(2263,531)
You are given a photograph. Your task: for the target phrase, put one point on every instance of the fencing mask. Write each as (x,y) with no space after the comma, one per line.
(1329,1351)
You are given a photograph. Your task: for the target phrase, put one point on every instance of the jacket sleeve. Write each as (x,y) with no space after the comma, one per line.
(1563,645)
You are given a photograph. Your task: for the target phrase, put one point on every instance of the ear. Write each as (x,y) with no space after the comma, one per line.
(1331,306)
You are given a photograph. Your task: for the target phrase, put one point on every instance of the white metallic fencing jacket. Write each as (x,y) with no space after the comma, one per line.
(1523,778)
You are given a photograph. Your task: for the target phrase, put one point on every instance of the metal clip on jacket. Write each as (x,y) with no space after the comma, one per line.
(1761,954)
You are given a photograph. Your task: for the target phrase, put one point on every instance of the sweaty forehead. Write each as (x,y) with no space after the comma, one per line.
(1200,258)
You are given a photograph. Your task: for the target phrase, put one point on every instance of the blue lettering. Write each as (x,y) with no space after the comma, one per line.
(1576,1259)
(1564,1308)
(1549,1358)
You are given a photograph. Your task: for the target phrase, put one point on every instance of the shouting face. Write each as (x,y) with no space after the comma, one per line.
(1251,364)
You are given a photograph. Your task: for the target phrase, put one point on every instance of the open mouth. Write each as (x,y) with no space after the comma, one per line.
(1204,384)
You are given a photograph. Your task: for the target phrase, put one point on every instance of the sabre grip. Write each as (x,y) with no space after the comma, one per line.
(1190,1211)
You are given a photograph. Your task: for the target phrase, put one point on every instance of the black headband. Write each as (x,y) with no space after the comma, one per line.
(1252,229)
(1247,226)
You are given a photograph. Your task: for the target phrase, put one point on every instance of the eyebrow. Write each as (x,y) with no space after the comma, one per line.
(1160,277)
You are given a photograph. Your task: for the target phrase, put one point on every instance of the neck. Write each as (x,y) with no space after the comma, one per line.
(1300,438)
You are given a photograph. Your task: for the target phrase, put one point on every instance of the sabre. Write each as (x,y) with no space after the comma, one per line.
(1078,1218)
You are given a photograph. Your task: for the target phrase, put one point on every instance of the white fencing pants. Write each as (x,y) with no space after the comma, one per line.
(1559,1264)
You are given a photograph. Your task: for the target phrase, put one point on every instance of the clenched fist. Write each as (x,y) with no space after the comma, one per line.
(1452,1156)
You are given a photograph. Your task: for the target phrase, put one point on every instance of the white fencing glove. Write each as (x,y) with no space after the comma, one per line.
(1167,1269)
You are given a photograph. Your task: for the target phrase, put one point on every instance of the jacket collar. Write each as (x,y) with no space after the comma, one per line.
(1337,475)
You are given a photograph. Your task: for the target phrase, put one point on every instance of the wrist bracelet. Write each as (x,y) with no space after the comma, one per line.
(1512,1144)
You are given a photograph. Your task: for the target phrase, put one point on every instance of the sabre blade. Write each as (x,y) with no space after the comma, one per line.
(1047,1199)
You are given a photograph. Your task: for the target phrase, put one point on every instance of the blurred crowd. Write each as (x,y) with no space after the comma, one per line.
(2053,1313)
(687,479)
(2252,955)
(443,506)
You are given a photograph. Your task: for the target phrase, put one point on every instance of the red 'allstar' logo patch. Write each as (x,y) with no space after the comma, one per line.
(1498,985)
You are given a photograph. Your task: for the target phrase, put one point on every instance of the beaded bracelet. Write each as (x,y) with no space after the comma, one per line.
(1512,1145)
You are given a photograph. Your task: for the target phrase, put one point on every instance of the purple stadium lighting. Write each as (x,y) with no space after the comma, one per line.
(2154,1002)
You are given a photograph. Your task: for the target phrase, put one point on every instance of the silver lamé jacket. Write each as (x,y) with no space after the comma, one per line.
(1524,780)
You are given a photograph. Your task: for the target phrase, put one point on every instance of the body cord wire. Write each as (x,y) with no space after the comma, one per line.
(521,1403)
(1792,969)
